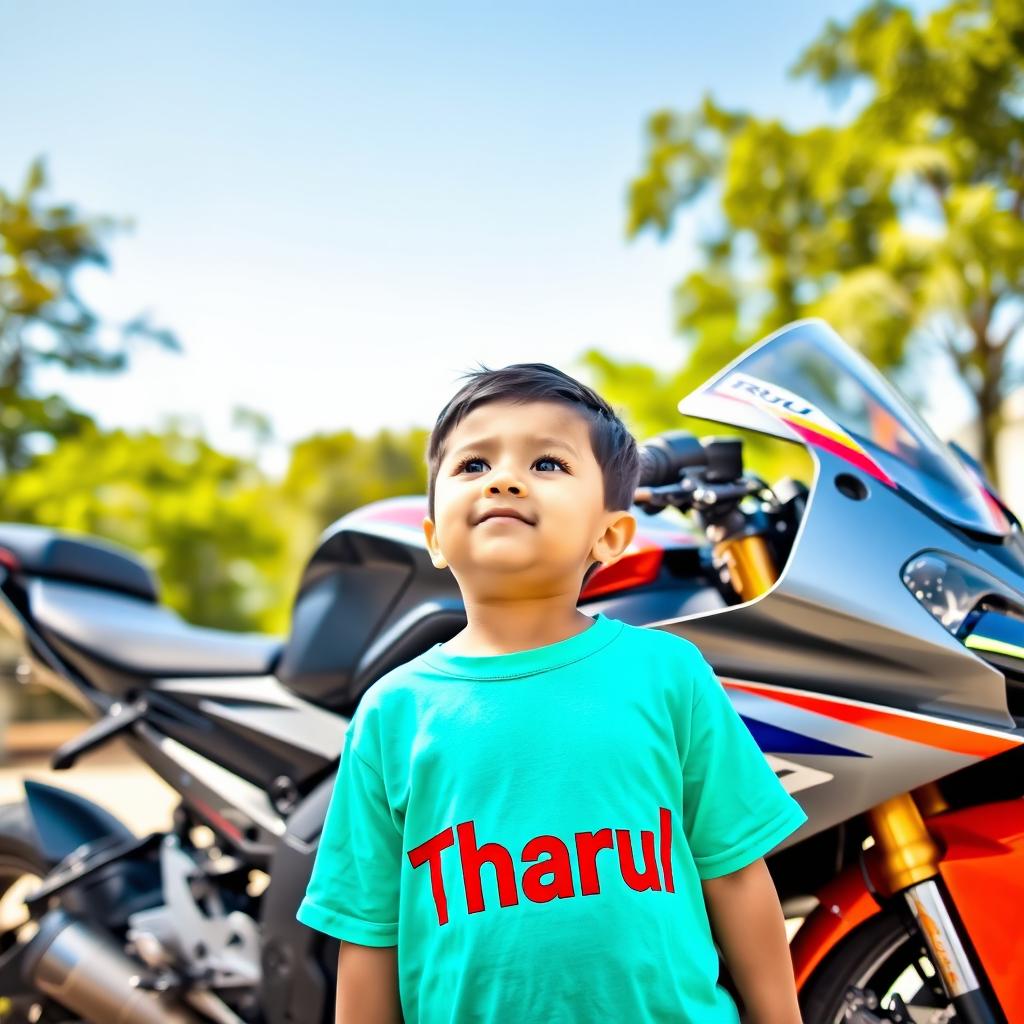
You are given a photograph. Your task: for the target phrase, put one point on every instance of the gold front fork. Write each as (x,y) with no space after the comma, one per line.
(905,859)
(904,851)
(751,567)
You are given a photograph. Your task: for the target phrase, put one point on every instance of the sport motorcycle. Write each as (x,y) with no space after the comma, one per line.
(868,625)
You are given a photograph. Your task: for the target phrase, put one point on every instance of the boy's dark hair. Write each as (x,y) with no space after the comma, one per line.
(614,446)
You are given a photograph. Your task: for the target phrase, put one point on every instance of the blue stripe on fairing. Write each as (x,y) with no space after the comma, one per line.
(773,739)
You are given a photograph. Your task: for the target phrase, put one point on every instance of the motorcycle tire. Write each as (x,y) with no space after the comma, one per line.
(881,955)
(21,858)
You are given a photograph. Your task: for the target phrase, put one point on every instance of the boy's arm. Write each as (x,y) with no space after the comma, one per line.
(368,985)
(749,926)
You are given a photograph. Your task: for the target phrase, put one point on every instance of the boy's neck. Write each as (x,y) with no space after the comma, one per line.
(506,627)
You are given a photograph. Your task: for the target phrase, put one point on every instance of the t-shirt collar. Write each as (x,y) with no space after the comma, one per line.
(524,663)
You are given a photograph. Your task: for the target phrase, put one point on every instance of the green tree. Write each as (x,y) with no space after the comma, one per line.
(903,227)
(211,526)
(43,319)
(331,474)
(227,543)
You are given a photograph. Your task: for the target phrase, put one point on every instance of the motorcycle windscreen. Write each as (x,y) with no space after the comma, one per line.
(804,383)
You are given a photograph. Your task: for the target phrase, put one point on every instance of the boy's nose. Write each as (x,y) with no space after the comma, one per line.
(505,483)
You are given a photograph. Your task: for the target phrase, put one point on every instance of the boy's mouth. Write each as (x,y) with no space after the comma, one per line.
(504,513)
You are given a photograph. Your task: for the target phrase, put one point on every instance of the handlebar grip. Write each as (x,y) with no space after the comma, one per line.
(662,458)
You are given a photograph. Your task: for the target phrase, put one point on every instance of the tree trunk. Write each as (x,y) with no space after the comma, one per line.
(990,412)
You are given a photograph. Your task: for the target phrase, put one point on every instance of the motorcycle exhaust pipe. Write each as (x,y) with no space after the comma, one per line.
(86,971)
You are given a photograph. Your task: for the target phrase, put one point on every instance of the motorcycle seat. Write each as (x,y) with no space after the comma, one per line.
(44,551)
(145,638)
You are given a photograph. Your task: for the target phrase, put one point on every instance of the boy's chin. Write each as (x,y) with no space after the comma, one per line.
(505,563)
(507,566)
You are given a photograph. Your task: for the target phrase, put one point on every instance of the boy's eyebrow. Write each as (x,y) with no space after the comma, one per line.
(488,442)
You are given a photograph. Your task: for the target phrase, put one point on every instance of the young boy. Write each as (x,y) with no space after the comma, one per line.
(544,818)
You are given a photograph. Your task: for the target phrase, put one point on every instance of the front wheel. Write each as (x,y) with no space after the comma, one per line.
(881,955)
(22,867)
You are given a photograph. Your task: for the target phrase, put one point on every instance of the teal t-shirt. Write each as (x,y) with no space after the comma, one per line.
(531,830)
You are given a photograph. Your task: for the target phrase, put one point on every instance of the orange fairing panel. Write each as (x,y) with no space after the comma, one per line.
(844,904)
(983,868)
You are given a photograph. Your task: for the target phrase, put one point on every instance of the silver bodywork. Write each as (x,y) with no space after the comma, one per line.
(839,623)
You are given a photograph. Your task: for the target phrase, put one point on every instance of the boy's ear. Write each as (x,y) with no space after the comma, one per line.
(430,532)
(619,530)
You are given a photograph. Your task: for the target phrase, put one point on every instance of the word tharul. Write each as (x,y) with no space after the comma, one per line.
(557,863)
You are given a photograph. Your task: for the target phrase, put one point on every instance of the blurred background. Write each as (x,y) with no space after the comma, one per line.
(247,250)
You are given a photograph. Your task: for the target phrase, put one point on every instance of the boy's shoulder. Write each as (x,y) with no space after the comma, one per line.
(661,642)
(387,702)
(668,662)
(400,679)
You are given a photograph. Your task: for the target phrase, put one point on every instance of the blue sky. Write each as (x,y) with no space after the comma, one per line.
(340,208)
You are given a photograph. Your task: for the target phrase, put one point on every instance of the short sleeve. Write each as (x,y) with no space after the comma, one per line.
(734,807)
(353,890)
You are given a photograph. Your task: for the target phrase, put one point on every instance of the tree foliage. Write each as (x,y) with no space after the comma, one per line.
(331,474)
(903,227)
(226,542)
(43,319)
(210,525)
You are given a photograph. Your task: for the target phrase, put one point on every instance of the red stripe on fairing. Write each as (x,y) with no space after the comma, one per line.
(851,455)
(955,739)
(732,398)
(998,517)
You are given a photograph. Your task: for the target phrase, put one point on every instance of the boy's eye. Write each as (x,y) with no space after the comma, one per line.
(475,464)
(551,459)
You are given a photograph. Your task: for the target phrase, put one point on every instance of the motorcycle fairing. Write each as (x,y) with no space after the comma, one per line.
(838,622)
(840,756)
(843,904)
(805,382)
(982,866)
(953,737)
(804,421)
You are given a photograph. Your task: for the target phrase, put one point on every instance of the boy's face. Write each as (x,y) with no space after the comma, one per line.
(535,460)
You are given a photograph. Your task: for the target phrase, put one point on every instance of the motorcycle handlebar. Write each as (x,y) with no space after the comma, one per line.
(664,457)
